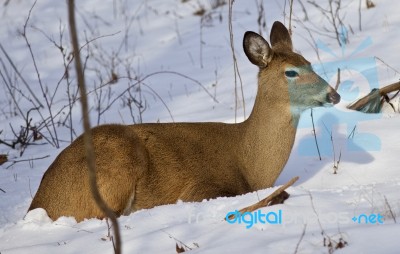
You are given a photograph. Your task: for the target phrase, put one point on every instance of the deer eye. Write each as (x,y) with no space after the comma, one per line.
(291,74)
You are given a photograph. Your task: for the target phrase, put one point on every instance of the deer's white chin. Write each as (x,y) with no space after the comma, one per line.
(327,104)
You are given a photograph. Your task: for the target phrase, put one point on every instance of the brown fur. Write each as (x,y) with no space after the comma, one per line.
(145,165)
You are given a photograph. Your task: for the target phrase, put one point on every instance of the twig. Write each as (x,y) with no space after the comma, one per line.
(264,202)
(138,80)
(304,11)
(390,209)
(176,240)
(332,15)
(315,135)
(2,190)
(290,17)
(235,65)
(161,99)
(337,80)
(327,240)
(315,211)
(30,49)
(313,42)
(20,76)
(351,135)
(30,189)
(335,163)
(23,137)
(387,65)
(43,90)
(48,103)
(8,83)
(261,17)
(359,16)
(32,159)
(301,239)
(90,156)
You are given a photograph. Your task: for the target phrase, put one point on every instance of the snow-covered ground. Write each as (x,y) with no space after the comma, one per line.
(186,67)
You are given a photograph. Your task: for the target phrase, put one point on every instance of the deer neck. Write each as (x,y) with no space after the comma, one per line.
(268,137)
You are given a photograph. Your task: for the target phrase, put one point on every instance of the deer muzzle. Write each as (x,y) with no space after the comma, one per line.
(333,97)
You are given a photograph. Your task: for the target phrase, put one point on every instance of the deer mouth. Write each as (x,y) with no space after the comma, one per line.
(333,97)
(325,104)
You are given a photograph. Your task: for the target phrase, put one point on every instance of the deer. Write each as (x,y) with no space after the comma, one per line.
(141,166)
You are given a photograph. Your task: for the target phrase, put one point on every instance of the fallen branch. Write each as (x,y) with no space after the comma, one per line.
(372,102)
(264,202)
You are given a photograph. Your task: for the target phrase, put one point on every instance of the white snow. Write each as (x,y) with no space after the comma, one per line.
(164,36)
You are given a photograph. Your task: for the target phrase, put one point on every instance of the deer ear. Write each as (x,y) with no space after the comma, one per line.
(280,37)
(257,49)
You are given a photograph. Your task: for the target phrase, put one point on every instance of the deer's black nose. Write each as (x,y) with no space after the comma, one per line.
(333,97)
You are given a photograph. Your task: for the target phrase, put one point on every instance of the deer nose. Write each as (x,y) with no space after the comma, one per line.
(333,97)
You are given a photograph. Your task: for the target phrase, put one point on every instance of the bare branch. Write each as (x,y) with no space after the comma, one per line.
(337,80)
(290,17)
(315,135)
(20,76)
(30,160)
(90,156)
(235,65)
